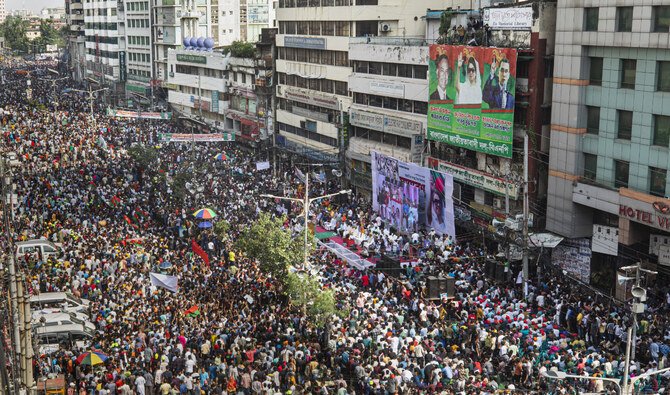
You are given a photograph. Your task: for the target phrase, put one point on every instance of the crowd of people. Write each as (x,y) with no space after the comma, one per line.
(229,329)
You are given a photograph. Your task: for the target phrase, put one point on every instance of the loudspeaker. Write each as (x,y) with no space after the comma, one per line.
(490,269)
(436,286)
(390,265)
(501,275)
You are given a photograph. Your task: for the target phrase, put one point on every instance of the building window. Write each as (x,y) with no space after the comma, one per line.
(625,123)
(657,181)
(663,76)
(592,119)
(661,15)
(595,71)
(591,19)
(590,166)
(628,73)
(621,174)
(624,19)
(661,130)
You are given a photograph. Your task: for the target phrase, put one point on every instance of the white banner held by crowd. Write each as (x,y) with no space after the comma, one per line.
(164,281)
(262,165)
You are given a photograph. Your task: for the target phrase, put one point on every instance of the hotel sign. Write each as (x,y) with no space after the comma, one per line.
(656,214)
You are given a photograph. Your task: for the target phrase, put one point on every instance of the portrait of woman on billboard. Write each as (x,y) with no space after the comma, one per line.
(470,91)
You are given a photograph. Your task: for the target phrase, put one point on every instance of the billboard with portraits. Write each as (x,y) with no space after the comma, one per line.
(410,197)
(471,97)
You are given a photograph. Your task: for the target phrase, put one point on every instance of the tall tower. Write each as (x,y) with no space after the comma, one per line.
(3,12)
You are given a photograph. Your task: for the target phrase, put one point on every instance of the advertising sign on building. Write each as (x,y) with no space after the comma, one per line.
(137,114)
(308,98)
(215,101)
(509,18)
(387,89)
(664,255)
(605,240)
(122,66)
(383,123)
(475,178)
(191,58)
(574,256)
(258,14)
(187,138)
(471,97)
(305,42)
(655,214)
(409,196)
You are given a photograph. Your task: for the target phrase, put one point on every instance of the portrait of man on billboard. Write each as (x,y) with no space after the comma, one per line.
(435,207)
(498,92)
(442,72)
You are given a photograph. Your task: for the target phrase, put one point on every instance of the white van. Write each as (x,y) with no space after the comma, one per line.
(62,301)
(51,337)
(63,318)
(39,247)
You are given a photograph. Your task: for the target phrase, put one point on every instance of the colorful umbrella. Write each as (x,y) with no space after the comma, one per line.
(221,156)
(91,358)
(205,213)
(205,224)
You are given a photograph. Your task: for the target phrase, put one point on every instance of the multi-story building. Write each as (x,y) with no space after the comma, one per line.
(264,82)
(242,116)
(104,55)
(390,98)
(610,132)
(135,41)
(313,66)
(76,49)
(197,85)
(3,11)
(490,185)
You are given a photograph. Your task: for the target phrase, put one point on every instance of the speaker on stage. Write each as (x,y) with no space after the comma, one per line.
(501,275)
(437,286)
(390,265)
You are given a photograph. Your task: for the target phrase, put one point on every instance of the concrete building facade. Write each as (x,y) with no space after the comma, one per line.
(610,129)
(313,66)
(104,46)
(76,48)
(390,98)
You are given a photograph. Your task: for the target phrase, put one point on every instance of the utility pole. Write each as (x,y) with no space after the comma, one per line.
(4,378)
(306,203)
(28,349)
(13,292)
(525,216)
(90,93)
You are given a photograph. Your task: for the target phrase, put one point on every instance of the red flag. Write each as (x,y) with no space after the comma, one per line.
(200,251)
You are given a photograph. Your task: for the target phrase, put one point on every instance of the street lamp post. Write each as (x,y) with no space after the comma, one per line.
(306,202)
(90,93)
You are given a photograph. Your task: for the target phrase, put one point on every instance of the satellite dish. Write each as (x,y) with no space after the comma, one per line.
(337,173)
(639,293)
(258,139)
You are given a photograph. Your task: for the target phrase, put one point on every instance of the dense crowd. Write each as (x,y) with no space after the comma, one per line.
(118,221)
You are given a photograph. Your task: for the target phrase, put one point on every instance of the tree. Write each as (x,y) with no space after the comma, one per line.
(307,294)
(272,245)
(144,156)
(14,31)
(221,229)
(239,49)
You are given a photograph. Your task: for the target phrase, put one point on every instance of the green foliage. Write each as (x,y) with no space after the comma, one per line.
(221,229)
(14,31)
(306,293)
(272,245)
(179,183)
(48,35)
(445,22)
(239,49)
(144,156)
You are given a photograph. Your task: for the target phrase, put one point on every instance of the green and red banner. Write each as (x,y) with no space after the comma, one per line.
(471,97)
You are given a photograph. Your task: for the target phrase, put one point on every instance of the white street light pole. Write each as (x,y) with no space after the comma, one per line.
(553,374)
(306,202)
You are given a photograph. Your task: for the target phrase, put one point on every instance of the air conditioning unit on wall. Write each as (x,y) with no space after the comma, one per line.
(385,27)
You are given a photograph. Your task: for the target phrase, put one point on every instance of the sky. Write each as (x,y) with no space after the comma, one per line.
(35,5)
